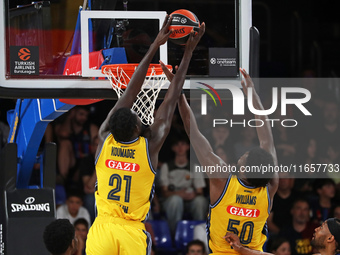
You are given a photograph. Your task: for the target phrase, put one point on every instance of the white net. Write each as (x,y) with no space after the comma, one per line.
(144,104)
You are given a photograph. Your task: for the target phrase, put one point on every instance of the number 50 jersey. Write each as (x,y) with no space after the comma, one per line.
(242,210)
(125,179)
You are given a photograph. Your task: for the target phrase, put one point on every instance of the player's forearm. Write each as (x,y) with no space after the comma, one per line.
(200,144)
(190,123)
(138,78)
(246,251)
(167,108)
(273,228)
(105,127)
(93,180)
(264,132)
(178,80)
(185,112)
(271,225)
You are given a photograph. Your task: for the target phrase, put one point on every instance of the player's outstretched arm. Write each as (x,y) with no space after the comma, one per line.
(158,131)
(137,78)
(264,132)
(234,241)
(201,145)
(203,150)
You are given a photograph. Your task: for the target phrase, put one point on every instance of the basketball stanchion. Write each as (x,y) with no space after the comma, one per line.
(24,212)
(120,75)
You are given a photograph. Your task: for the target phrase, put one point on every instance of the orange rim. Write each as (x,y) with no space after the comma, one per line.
(129,69)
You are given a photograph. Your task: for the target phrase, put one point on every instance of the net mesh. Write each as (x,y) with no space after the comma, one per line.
(144,104)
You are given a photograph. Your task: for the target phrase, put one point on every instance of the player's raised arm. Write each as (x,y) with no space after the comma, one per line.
(201,145)
(264,132)
(203,150)
(160,128)
(234,241)
(137,78)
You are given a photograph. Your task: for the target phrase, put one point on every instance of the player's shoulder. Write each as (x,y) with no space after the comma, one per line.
(147,134)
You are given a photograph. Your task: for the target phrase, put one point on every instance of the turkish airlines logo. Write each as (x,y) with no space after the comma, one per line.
(119,165)
(24,54)
(243,212)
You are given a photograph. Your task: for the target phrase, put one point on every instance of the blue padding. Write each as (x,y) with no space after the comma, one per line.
(162,235)
(185,233)
(76,43)
(28,123)
(76,37)
(114,56)
(60,195)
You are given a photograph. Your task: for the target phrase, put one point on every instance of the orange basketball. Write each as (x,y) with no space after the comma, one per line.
(183,22)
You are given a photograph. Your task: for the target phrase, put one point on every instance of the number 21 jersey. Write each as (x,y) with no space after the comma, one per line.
(125,179)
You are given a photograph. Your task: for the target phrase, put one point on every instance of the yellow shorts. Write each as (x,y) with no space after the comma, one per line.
(108,236)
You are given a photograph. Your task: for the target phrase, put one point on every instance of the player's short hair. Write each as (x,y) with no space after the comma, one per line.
(58,236)
(195,242)
(259,157)
(122,124)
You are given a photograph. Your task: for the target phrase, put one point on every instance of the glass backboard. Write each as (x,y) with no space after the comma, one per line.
(55,48)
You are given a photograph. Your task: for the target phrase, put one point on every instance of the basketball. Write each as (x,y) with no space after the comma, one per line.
(183,22)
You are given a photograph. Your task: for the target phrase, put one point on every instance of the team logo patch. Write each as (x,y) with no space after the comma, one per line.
(120,165)
(243,212)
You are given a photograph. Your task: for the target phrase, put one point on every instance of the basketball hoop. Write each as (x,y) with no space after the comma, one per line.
(120,75)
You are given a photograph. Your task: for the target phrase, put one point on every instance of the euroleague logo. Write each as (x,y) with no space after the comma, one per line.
(243,212)
(24,54)
(183,20)
(119,165)
(213,61)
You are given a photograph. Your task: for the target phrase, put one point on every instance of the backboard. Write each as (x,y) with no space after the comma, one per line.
(55,49)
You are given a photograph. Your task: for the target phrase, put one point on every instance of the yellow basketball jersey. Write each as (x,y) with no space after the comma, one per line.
(125,179)
(242,210)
